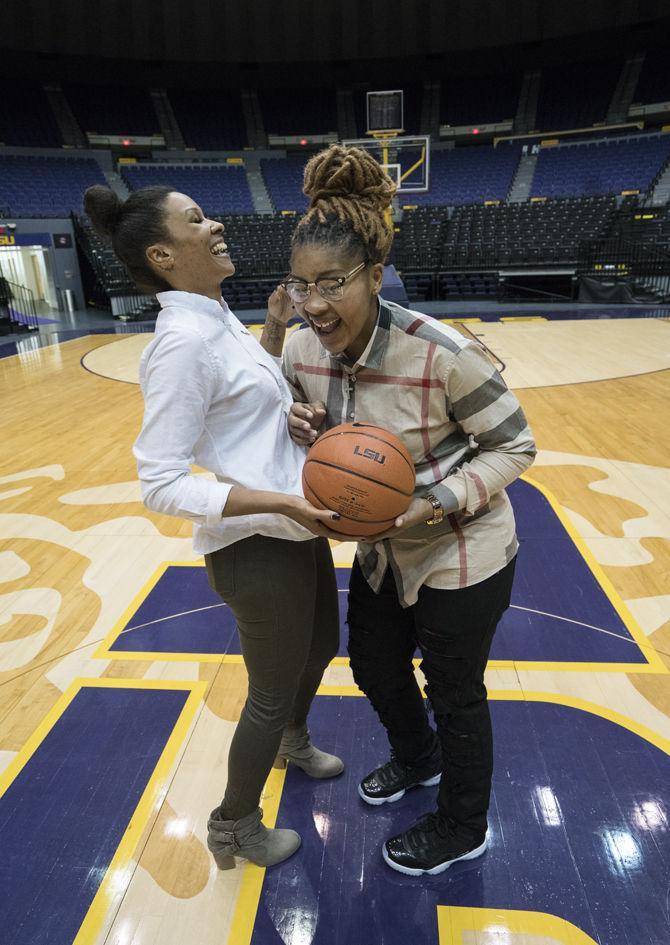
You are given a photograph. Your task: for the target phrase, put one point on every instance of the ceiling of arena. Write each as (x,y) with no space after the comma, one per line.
(288,31)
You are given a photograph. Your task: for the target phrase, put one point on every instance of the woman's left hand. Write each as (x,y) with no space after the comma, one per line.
(280,307)
(418,511)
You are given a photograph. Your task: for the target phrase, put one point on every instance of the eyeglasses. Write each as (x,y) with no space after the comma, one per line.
(332,290)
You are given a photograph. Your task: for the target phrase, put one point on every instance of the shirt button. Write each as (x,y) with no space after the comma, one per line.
(352,378)
(351,415)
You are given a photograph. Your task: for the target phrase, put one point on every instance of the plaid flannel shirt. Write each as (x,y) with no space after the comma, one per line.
(466,432)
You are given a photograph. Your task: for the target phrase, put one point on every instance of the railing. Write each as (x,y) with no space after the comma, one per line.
(17,305)
(624,261)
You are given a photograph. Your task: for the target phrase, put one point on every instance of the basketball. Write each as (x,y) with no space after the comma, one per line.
(363,472)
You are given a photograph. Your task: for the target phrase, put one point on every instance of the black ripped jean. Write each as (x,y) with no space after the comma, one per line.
(453,630)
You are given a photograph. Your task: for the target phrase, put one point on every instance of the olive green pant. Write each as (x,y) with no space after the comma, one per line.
(284,598)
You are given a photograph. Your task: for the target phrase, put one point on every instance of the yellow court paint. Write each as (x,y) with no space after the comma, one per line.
(496,926)
(653,664)
(104,651)
(249,896)
(453,922)
(121,868)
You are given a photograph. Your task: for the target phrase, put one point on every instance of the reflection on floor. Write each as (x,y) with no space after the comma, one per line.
(121,680)
(578,834)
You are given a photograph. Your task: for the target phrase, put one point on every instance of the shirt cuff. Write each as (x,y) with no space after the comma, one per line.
(451,497)
(217,502)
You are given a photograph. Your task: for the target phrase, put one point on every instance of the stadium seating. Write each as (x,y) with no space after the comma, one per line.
(259,244)
(576,96)
(46,186)
(601,167)
(209,119)
(470,100)
(108,110)
(218,188)
(419,238)
(524,233)
(654,81)
(26,119)
(468,175)
(283,179)
(300,111)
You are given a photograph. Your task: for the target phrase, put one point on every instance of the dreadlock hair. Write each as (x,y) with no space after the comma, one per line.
(348,192)
(132,225)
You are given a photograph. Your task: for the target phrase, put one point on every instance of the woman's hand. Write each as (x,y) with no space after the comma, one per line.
(418,512)
(280,307)
(304,421)
(316,520)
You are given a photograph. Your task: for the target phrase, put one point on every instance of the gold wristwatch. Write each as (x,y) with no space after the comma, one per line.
(438,511)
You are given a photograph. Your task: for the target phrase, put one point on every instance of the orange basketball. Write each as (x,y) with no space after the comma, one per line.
(363,472)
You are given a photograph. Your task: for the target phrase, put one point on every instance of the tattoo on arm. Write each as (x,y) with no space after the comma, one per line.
(272,338)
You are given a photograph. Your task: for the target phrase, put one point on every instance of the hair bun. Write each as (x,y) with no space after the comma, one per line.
(348,173)
(104,209)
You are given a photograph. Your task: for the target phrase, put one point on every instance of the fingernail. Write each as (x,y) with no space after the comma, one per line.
(336,516)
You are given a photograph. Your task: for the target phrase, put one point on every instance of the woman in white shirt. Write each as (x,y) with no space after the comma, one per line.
(216,397)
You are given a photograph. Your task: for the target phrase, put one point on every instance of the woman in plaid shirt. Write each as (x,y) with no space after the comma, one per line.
(441,578)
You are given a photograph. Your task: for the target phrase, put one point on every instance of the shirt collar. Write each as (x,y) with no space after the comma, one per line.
(373,356)
(194,302)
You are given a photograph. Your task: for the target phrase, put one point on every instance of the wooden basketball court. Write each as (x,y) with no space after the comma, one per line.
(113,753)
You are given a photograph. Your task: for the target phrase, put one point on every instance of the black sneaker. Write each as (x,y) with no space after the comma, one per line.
(425,849)
(389,782)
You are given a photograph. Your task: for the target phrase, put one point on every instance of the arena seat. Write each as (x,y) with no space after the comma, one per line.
(112,110)
(218,188)
(283,179)
(26,119)
(469,175)
(524,234)
(39,186)
(209,120)
(299,111)
(601,167)
(574,96)
(471,100)
(654,82)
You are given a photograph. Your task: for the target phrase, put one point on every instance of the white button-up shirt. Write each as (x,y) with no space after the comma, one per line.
(213,396)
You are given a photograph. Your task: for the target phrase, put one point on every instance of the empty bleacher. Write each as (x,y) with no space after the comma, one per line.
(46,186)
(112,110)
(469,175)
(299,111)
(654,82)
(260,244)
(477,100)
(419,238)
(576,95)
(601,167)
(283,179)
(217,188)
(209,119)
(524,234)
(26,119)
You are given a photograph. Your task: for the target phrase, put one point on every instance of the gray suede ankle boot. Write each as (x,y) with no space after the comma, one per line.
(249,838)
(296,747)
